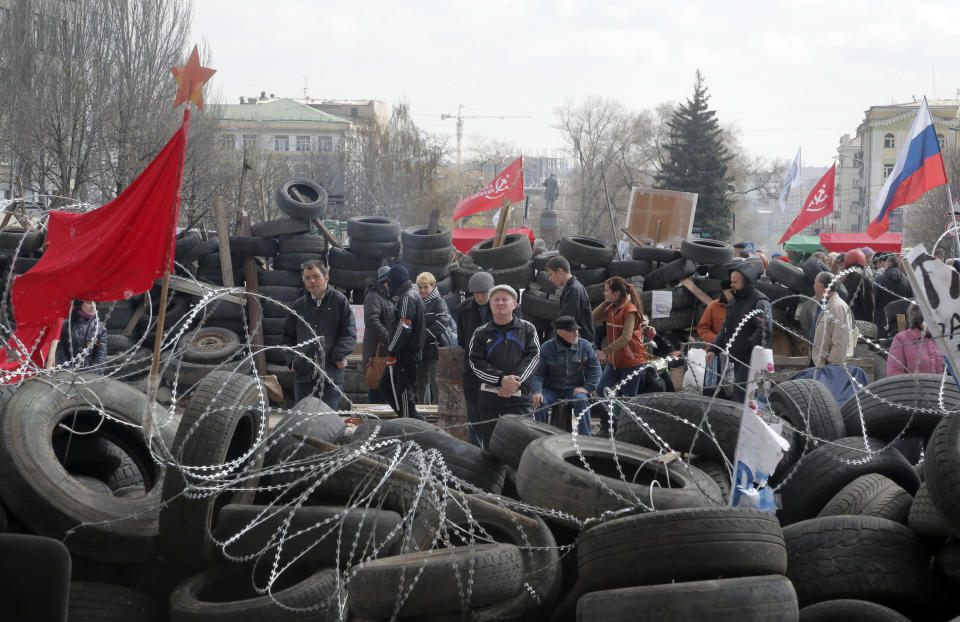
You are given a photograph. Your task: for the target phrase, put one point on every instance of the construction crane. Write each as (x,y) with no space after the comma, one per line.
(460,117)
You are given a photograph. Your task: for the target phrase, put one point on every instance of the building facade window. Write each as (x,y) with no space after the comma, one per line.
(303,143)
(281,143)
(227,142)
(325,144)
(250,142)
(940,140)
(353,112)
(889,141)
(887,169)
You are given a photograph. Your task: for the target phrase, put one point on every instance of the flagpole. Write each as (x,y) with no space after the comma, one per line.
(154,382)
(953,215)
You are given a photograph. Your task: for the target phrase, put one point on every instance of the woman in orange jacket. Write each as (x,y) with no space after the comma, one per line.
(622,312)
(710,324)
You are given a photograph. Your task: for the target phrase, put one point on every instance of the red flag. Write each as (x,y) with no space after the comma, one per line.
(819,203)
(508,184)
(110,253)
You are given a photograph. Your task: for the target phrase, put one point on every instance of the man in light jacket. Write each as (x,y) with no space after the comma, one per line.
(835,334)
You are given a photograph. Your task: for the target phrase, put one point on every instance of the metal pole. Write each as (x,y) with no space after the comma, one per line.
(953,216)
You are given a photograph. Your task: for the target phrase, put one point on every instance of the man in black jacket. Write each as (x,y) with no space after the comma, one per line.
(377,324)
(890,285)
(399,382)
(574,300)
(323,312)
(471,315)
(504,354)
(755,332)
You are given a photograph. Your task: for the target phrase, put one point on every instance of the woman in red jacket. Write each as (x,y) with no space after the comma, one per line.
(622,312)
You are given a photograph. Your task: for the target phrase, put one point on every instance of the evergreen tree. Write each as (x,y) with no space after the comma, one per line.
(697,162)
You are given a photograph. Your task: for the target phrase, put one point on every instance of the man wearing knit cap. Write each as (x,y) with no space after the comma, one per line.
(399,381)
(504,354)
(471,315)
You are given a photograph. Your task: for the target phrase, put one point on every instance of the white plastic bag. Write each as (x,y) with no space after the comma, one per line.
(696,365)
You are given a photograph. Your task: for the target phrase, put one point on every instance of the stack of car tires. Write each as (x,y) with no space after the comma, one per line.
(374,241)
(510,263)
(433,252)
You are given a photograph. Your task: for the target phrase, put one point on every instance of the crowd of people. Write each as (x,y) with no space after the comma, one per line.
(509,370)
(870,285)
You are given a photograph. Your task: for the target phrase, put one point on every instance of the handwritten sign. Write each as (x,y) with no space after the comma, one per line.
(662,303)
(936,288)
(759,447)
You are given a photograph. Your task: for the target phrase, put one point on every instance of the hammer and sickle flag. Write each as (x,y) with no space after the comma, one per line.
(819,203)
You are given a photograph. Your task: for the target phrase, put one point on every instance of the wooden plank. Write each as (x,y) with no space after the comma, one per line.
(132,324)
(331,239)
(696,291)
(633,236)
(195,288)
(434,224)
(274,390)
(223,237)
(253,306)
(501,225)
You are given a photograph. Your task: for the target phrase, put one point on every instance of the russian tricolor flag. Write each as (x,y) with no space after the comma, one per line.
(919,168)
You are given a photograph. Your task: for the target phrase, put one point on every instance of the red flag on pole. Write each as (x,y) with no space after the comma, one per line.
(508,184)
(819,203)
(110,253)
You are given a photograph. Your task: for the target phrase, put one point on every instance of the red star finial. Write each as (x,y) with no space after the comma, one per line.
(190,79)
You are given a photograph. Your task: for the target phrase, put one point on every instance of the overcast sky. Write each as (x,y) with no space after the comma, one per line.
(789,74)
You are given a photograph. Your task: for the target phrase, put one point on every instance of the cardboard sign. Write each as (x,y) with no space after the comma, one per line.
(661,216)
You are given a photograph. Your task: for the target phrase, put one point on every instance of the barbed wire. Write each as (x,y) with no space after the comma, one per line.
(439,508)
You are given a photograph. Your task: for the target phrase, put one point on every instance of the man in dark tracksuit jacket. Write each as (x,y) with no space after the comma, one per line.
(399,382)
(471,315)
(504,354)
(323,312)
(574,300)
(756,332)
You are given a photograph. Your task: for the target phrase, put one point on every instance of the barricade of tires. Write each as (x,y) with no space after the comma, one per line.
(401,519)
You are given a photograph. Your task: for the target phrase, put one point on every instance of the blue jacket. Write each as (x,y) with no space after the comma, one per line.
(564,366)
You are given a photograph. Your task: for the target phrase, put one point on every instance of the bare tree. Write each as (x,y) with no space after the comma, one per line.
(393,169)
(148,37)
(613,149)
(90,103)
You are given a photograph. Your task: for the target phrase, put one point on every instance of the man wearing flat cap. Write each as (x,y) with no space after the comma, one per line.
(471,315)
(504,354)
(569,370)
